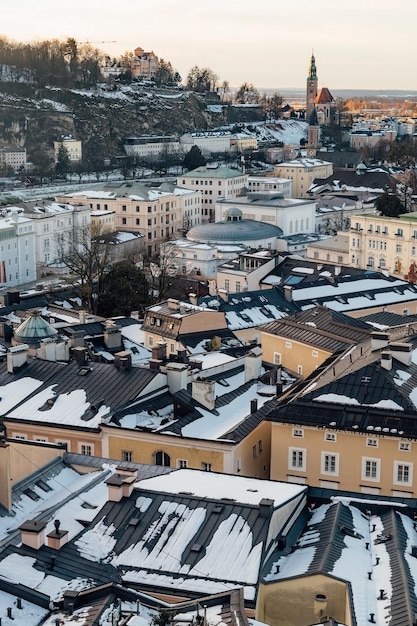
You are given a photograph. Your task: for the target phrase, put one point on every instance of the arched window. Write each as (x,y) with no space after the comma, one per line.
(370,261)
(161,458)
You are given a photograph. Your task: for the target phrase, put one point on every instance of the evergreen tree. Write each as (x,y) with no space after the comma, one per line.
(124,289)
(389,205)
(63,165)
(193,159)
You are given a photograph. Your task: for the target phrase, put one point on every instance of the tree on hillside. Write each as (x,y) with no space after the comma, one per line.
(166,75)
(389,205)
(63,164)
(202,79)
(247,94)
(272,105)
(86,253)
(124,289)
(193,159)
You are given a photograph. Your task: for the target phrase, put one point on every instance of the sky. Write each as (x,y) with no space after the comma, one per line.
(358,44)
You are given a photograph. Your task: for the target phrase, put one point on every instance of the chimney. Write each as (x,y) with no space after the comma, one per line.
(288,293)
(193,298)
(386,360)
(86,318)
(265,508)
(57,538)
(223,294)
(5,473)
(47,349)
(379,341)
(401,351)
(159,352)
(112,337)
(33,533)
(120,486)
(17,357)
(253,405)
(253,364)
(134,315)
(173,304)
(80,354)
(203,391)
(77,339)
(123,360)
(177,376)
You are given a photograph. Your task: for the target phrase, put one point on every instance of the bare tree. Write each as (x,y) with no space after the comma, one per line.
(86,253)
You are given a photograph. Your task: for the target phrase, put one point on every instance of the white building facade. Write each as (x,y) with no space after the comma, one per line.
(17,249)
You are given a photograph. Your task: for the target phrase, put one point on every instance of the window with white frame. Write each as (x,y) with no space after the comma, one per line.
(41,439)
(403,473)
(330,463)
(206,467)
(298,432)
(404,446)
(315,354)
(297,459)
(86,448)
(19,436)
(127,456)
(330,436)
(300,370)
(371,469)
(150,341)
(182,463)
(288,344)
(277,358)
(372,442)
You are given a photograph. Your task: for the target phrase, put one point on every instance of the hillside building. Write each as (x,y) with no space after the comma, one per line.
(303,172)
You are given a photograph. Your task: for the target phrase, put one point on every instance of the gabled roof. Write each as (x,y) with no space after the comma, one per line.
(70,395)
(321,327)
(252,308)
(324,97)
(371,553)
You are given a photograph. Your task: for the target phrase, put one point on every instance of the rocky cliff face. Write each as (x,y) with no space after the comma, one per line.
(35,118)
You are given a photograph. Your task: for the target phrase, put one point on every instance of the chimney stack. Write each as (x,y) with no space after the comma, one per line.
(386,360)
(33,533)
(17,357)
(123,360)
(288,293)
(57,538)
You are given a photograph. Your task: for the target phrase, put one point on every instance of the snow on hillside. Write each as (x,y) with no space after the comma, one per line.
(290,132)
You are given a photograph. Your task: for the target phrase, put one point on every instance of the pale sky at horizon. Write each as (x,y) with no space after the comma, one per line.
(367,44)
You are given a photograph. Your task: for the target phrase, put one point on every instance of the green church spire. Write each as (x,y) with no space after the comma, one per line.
(312,75)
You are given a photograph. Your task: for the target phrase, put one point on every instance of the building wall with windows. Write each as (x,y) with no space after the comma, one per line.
(385,243)
(52,223)
(294,355)
(17,249)
(13,158)
(73,147)
(147,146)
(303,172)
(158,213)
(79,441)
(213,183)
(367,463)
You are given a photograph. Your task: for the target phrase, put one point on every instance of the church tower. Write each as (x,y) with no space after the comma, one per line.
(311,93)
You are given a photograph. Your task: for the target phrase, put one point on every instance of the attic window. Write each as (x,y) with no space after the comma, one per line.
(350,532)
(158,322)
(152,321)
(43,485)
(84,371)
(217,509)
(31,494)
(196,547)
(87,505)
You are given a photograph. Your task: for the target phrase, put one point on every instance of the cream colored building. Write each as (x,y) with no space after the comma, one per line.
(386,243)
(303,172)
(214,183)
(156,212)
(144,64)
(330,250)
(73,147)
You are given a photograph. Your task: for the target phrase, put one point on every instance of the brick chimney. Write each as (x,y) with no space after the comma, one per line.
(57,538)
(120,486)
(112,336)
(33,533)
(123,360)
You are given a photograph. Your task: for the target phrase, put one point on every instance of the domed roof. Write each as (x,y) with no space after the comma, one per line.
(233,231)
(33,329)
